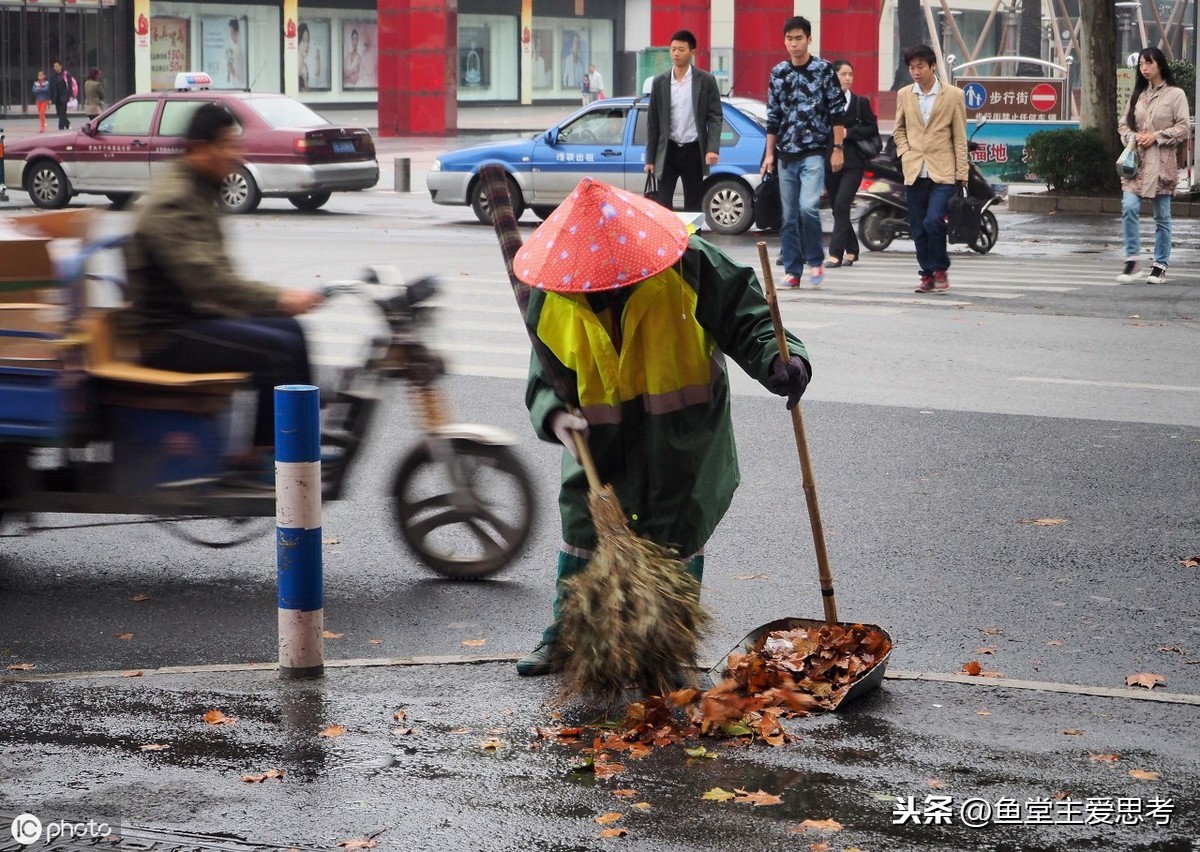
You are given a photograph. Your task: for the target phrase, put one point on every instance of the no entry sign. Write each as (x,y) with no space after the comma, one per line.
(1014,98)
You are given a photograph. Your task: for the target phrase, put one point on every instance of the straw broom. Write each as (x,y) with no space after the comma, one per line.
(633,617)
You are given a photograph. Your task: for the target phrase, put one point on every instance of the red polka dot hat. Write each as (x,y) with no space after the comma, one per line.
(600,238)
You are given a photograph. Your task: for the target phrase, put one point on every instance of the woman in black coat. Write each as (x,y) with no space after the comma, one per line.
(842,185)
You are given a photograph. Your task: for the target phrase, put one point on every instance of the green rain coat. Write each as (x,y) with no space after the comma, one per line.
(657,409)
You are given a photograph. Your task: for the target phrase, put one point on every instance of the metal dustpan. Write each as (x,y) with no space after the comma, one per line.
(868,682)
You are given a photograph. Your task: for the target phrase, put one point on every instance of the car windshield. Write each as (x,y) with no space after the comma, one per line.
(285,112)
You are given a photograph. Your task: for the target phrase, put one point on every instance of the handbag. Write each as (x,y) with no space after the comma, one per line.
(768,207)
(650,190)
(964,216)
(1127,163)
(868,148)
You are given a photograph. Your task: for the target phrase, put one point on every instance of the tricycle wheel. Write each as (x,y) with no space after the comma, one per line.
(465,508)
(218,533)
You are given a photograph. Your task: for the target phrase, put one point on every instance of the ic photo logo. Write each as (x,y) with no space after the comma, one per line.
(26,829)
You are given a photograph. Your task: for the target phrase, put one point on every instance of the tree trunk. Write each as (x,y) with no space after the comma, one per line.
(1030,39)
(1098,60)
(910,19)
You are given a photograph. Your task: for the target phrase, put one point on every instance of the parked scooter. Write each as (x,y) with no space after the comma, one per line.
(886,216)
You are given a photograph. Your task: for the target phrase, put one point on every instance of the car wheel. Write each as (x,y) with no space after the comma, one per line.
(48,187)
(119,200)
(873,231)
(310,200)
(729,207)
(239,193)
(543,211)
(989,231)
(479,203)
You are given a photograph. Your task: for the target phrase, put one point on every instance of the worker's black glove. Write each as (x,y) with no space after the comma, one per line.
(789,379)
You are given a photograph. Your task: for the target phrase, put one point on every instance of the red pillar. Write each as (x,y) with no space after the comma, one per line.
(418,68)
(667,17)
(850,31)
(757,44)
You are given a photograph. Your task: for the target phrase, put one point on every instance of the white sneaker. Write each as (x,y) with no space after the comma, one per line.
(1130,275)
(1158,274)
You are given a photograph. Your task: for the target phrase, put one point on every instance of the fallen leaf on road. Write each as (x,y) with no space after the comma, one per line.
(1054,643)
(1073,732)
(972,667)
(991,674)
(1145,679)
(1143,774)
(374,641)
(1103,758)
(614,832)
(609,817)
(819,847)
(474,643)
(625,793)
(986,649)
(716,794)
(361,843)
(642,806)
(153,747)
(399,715)
(816,825)
(22,667)
(758,799)
(936,784)
(140,598)
(332,731)
(459,731)
(216,717)
(982,713)
(262,776)
(1171,649)
(331,541)
(1044,522)
(329,634)
(124,637)
(1190,562)
(990,631)
(402,732)
(137,673)
(603,768)
(752,577)
(700,751)
(493,744)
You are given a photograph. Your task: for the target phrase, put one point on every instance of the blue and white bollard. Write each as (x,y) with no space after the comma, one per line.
(298,531)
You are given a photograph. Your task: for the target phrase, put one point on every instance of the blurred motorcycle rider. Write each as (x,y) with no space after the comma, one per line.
(190,311)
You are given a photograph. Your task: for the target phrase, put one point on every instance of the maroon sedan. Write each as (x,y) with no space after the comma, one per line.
(288,151)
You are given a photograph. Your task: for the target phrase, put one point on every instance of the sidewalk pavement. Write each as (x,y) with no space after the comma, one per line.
(461,755)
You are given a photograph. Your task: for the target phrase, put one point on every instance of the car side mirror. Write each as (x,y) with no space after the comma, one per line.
(551,136)
(89,129)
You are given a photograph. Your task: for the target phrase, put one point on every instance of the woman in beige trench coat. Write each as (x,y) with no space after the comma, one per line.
(1157,123)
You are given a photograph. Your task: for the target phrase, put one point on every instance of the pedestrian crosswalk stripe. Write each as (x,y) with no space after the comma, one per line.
(1102,384)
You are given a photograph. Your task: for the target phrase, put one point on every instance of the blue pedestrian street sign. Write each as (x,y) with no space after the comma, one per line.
(975,94)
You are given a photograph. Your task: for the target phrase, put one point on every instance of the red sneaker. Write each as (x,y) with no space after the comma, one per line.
(941,281)
(926,285)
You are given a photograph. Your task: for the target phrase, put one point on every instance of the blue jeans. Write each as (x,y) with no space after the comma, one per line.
(1131,205)
(800,184)
(927,203)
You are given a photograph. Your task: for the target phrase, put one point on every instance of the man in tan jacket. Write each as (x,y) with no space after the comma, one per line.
(931,141)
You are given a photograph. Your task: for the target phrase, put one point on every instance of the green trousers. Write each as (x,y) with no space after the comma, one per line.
(569,565)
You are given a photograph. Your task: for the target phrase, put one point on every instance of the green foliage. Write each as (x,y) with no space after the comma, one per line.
(1071,160)
(1185,78)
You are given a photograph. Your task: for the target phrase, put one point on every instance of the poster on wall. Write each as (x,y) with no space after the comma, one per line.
(359,56)
(223,50)
(312,54)
(574,59)
(474,56)
(170,50)
(543,59)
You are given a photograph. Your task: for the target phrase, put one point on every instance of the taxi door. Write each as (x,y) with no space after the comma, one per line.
(115,154)
(592,144)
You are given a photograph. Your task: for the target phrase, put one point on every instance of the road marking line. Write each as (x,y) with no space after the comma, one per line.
(1030,288)
(821,295)
(1090,383)
(461,660)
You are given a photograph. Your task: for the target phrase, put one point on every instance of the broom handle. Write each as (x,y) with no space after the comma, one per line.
(806,471)
(495,191)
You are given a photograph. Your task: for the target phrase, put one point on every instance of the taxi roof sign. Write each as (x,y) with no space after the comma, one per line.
(190,81)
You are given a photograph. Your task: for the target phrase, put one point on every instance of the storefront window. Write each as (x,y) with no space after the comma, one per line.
(238,46)
(487,58)
(563,50)
(337,55)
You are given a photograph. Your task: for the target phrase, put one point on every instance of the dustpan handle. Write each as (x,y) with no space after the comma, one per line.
(810,488)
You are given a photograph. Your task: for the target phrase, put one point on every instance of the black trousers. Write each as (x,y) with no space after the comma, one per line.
(686,162)
(60,110)
(842,187)
(271,349)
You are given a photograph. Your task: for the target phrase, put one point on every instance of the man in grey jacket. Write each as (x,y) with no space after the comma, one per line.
(189,310)
(684,125)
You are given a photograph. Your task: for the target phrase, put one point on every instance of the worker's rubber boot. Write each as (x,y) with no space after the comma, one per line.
(545,659)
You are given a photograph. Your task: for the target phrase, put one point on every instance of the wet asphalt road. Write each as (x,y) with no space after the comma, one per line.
(928,468)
